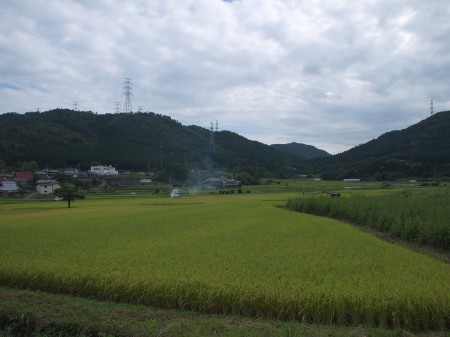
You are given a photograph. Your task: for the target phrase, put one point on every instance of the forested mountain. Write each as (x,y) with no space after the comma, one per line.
(421,150)
(66,138)
(301,150)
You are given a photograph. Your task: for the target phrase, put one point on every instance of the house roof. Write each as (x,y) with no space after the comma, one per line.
(24,175)
(47,182)
(214,180)
(8,186)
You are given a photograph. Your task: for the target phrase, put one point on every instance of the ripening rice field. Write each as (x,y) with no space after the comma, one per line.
(235,254)
(424,219)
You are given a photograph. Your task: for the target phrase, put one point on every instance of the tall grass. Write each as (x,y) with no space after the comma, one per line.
(412,217)
(222,254)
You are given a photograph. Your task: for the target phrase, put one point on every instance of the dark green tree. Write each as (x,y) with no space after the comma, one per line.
(174,172)
(69,193)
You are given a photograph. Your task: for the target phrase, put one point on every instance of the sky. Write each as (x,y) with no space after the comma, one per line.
(329,73)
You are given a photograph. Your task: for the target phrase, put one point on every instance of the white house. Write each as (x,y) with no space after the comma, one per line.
(104,170)
(47,186)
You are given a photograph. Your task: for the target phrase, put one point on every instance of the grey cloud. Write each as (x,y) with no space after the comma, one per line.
(331,73)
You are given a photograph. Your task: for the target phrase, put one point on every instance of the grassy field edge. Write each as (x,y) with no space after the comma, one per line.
(35,313)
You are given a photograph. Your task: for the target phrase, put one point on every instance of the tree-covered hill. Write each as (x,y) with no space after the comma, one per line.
(301,150)
(66,138)
(421,150)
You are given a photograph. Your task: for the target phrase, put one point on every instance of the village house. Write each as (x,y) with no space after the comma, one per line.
(71,172)
(23,179)
(8,187)
(27,176)
(47,186)
(218,183)
(41,175)
(145,181)
(102,170)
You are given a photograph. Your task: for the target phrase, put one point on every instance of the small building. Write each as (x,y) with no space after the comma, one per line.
(231,183)
(47,186)
(145,181)
(220,182)
(71,172)
(23,179)
(41,175)
(8,187)
(102,170)
(23,176)
(212,183)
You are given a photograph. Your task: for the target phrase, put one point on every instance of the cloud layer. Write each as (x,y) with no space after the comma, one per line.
(332,74)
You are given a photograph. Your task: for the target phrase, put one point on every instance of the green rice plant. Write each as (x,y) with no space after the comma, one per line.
(412,217)
(222,254)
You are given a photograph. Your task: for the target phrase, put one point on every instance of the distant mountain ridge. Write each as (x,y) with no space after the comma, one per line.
(66,138)
(421,150)
(301,150)
(147,141)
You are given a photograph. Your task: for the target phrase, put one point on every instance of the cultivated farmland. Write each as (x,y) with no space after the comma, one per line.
(222,254)
(424,219)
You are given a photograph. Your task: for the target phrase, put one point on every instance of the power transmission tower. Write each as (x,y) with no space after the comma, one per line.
(217,125)
(212,146)
(139,108)
(431,108)
(127,92)
(75,106)
(117,107)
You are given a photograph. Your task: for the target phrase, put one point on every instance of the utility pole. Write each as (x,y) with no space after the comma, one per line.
(127,87)
(431,108)
(160,154)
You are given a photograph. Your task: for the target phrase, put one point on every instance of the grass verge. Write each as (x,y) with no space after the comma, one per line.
(31,313)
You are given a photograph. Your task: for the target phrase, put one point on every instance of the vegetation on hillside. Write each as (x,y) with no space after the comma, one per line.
(140,141)
(421,150)
(148,141)
(301,150)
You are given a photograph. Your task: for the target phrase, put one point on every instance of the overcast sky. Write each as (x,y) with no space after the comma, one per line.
(330,73)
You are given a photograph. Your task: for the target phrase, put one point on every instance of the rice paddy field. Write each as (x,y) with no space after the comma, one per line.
(223,254)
